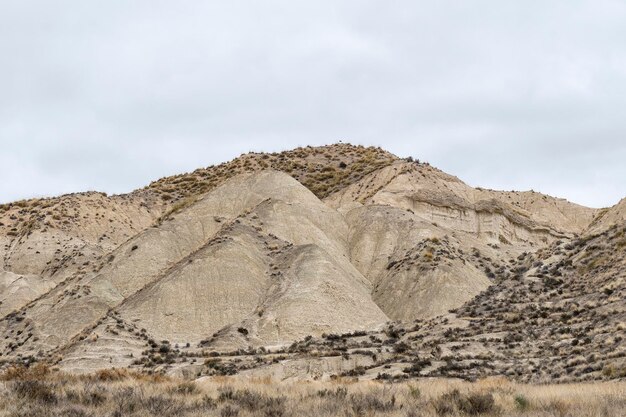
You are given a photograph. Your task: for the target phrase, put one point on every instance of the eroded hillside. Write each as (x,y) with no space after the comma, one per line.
(45,241)
(337,260)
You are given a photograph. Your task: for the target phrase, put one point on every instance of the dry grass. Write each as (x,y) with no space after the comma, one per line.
(39,392)
(323,170)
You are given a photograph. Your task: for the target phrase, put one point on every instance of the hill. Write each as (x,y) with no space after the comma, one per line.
(336,260)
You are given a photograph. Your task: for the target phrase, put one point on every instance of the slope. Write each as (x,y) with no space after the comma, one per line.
(45,241)
(198,252)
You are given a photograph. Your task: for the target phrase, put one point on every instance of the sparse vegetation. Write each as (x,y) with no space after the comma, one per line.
(323,170)
(553,313)
(38,392)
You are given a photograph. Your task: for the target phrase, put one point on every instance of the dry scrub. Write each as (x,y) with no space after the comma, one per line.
(39,392)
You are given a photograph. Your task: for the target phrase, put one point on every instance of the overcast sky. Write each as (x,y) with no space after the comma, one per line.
(110,95)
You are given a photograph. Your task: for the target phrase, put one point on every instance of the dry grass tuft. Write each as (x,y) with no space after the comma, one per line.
(38,391)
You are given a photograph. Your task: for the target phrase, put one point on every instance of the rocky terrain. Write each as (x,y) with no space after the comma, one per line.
(316,263)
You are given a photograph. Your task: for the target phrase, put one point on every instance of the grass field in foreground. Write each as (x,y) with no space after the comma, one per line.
(39,392)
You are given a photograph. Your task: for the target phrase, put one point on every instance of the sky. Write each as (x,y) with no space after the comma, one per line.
(111,95)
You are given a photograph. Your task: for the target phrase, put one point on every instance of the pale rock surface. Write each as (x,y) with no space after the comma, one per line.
(608,217)
(525,218)
(66,236)
(209,266)
(17,290)
(93,281)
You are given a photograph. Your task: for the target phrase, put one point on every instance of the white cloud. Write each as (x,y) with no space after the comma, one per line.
(110,96)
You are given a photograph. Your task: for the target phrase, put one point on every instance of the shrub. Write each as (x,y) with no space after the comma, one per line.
(91,396)
(127,401)
(253,401)
(185,388)
(160,405)
(229,411)
(401,347)
(36,372)
(521,402)
(357,371)
(472,404)
(112,374)
(370,403)
(34,391)
(337,393)
(414,391)
(274,407)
